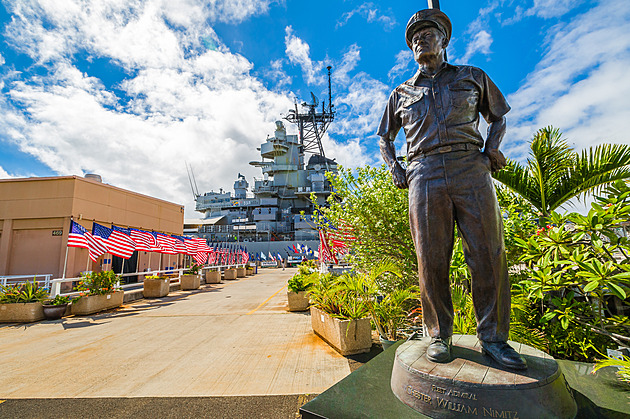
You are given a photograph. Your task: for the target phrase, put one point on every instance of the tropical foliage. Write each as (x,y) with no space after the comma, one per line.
(554,173)
(570,273)
(332,295)
(28,292)
(387,302)
(98,283)
(304,277)
(377,213)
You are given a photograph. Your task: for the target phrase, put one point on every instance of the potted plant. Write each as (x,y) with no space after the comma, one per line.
(249,269)
(387,302)
(155,286)
(190,279)
(98,291)
(298,286)
(229,273)
(338,316)
(213,276)
(56,308)
(22,303)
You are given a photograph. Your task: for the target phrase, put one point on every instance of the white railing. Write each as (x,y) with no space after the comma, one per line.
(56,283)
(18,279)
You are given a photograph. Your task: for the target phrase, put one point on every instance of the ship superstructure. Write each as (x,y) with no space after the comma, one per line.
(278,207)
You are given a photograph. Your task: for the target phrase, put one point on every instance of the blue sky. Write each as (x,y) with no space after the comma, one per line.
(133,89)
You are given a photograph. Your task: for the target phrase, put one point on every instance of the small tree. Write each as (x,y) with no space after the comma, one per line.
(377,213)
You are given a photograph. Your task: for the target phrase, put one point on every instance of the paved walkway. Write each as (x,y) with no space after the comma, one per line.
(230,339)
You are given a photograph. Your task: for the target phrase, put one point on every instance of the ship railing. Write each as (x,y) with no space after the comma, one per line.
(174,275)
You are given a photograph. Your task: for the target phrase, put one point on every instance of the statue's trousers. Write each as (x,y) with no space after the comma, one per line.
(445,190)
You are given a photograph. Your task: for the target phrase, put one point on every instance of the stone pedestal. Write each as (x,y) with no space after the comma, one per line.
(473,385)
(240,272)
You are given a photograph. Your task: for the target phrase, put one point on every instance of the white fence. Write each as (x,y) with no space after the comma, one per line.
(6,280)
(53,286)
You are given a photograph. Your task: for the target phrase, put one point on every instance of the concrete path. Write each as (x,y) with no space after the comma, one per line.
(231,339)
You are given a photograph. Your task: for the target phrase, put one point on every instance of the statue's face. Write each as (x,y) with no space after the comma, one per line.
(427,42)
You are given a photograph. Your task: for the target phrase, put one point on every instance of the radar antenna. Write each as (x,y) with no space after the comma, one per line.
(313,123)
(193,182)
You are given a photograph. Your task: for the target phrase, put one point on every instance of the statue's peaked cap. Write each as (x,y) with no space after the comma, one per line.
(428,17)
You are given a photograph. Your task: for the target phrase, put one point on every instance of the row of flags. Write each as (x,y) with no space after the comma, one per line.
(122,242)
(301,249)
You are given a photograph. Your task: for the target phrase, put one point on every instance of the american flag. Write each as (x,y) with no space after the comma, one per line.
(80,237)
(212,256)
(116,242)
(166,242)
(179,245)
(325,255)
(200,258)
(144,241)
(191,246)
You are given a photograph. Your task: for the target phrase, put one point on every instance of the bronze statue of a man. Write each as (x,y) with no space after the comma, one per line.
(449,182)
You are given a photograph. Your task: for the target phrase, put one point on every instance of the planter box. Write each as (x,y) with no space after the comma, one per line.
(156,288)
(298,301)
(213,277)
(190,282)
(94,303)
(249,271)
(21,312)
(240,272)
(348,337)
(230,273)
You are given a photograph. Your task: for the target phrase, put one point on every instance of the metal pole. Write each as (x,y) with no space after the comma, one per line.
(433,4)
(65,263)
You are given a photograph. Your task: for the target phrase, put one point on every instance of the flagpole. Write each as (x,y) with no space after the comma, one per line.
(65,261)
(122,269)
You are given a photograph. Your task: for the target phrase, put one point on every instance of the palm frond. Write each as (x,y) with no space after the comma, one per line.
(519,179)
(594,169)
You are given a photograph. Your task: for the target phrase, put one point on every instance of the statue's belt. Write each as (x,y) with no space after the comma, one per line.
(448,148)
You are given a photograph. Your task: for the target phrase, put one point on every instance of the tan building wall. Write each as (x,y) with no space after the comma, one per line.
(35,216)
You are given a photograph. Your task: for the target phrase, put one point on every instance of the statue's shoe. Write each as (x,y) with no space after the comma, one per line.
(504,354)
(439,350)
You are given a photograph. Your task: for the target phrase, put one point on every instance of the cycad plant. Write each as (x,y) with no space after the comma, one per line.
(554,173)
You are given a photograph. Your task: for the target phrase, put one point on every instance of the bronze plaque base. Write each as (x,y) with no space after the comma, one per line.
(473,385)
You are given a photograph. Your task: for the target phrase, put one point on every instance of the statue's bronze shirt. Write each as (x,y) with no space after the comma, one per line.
(442,110)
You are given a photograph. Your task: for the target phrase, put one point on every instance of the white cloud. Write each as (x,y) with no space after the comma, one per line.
(182,101)
(362,107)
(371,13)
(552,8)
(480,43)
(299,53)
(404,65)
(580,85)
(276,73)
(1,60)
(4,174)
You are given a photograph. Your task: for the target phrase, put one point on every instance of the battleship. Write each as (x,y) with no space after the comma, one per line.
(277,213)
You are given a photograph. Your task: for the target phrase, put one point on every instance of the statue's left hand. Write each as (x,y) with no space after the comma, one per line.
(497,160)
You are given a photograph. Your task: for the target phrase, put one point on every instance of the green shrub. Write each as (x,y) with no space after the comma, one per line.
(29,292)
(98,283)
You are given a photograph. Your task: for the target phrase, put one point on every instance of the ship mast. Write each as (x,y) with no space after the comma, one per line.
(313,123)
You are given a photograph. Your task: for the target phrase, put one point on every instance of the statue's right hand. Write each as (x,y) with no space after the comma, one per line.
(399,176)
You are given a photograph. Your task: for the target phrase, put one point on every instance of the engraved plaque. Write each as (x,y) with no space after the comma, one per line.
(473,385)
